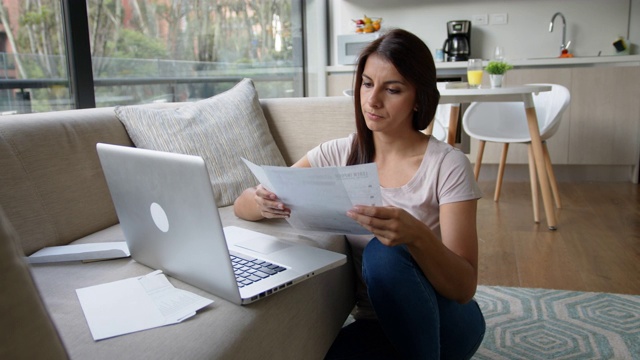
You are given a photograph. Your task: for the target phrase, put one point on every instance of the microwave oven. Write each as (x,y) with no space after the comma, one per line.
(349,46)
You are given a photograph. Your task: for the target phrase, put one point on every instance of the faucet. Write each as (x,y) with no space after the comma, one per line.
(564,45)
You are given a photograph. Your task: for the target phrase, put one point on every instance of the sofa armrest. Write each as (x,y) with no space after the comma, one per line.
(28,332)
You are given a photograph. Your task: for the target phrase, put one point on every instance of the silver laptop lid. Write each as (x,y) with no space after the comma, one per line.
(158,199)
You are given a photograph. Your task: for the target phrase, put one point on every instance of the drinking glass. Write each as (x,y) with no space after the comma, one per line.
(498,53)
(474,73)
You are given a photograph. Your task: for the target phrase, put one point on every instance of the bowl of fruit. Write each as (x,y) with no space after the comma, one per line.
(367,25)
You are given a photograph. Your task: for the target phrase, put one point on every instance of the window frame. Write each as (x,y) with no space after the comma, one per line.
(80,67)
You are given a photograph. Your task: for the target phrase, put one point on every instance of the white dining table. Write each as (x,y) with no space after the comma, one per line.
(524,94)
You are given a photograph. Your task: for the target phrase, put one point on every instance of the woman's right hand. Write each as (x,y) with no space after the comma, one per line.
(256,203)
(269,205)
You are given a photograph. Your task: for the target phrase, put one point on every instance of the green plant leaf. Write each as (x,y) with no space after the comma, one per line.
(498,67)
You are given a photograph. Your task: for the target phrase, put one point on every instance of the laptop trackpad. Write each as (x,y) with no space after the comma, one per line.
(263,246)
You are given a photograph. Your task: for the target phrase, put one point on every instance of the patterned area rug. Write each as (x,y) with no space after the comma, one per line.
(552,324)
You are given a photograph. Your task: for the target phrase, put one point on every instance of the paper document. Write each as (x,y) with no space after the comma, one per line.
(320,197)
(136,304)
(80,252)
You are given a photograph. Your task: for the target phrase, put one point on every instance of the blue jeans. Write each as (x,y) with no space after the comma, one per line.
(414,321)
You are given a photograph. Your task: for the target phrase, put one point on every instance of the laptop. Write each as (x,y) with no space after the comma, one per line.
(170,220)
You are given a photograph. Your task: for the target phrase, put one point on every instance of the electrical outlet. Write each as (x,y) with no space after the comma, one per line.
(498,19)
(480,19)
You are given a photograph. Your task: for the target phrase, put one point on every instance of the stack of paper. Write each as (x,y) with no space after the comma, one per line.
(136,304)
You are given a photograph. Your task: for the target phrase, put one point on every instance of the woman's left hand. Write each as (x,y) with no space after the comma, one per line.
(391,225)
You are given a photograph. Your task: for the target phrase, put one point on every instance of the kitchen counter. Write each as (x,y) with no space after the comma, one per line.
(460,67)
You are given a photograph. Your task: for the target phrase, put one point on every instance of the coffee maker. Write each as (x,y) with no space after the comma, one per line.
(457,46)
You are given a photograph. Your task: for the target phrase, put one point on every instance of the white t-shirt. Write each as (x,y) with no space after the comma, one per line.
(444,176)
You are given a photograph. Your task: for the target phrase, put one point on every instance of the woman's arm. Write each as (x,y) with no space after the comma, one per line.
(451,265)
(257,203)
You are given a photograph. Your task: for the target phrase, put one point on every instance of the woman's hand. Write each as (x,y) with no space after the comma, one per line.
(391,225)
(269,205)
(450,264)
(257,203)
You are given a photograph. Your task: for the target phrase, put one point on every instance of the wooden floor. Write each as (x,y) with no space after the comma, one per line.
(596,247)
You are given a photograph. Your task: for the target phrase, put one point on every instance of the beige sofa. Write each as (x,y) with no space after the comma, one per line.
(52,192)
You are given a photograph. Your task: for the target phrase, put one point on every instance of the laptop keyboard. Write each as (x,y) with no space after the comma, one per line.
(249,270)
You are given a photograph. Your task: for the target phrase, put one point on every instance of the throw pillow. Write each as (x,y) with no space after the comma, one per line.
(220,129)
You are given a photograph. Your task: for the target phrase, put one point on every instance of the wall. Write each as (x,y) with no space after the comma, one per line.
(592,25)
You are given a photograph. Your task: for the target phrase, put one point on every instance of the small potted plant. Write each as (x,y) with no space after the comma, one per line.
(497,70)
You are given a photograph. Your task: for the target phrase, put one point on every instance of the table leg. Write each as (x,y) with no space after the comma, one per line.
(453,124)
(534,185)
(543,179)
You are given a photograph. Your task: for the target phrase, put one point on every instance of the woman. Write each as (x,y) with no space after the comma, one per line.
(418,273)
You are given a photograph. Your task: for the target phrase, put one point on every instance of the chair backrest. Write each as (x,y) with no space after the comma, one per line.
(441,122)
(550,105)
(506,121)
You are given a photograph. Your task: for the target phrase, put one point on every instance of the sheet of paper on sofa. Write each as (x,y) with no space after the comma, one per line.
(320,197)
(135,304)
(80,252)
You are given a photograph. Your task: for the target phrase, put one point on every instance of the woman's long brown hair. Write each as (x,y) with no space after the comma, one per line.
(413,60)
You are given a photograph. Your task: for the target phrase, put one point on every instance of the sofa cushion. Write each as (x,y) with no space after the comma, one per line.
(299,322)
(221,130)
(28,332)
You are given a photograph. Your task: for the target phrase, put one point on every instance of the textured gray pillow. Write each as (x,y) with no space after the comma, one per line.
(220,129)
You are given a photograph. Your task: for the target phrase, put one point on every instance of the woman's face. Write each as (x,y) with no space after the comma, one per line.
(386,98)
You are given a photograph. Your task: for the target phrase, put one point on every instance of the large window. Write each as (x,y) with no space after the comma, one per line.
(145,51)
(33,67)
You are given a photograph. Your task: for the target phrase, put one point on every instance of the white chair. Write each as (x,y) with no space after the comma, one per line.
(439,127)
(506,123)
